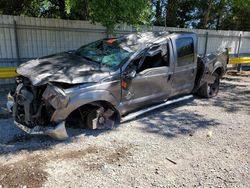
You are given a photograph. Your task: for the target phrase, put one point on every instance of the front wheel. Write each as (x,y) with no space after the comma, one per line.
(209,90)
(100,118)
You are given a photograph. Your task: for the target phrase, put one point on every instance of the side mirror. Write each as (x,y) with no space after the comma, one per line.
(130,74)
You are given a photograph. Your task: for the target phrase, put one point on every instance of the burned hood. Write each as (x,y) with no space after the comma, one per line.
(64,67)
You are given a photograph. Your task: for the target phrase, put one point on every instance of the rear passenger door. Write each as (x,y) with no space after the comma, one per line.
(185,64)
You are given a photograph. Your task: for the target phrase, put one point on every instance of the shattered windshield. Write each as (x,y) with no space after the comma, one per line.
(105,52)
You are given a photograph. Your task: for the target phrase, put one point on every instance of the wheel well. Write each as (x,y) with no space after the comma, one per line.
(78,114)
(219,71)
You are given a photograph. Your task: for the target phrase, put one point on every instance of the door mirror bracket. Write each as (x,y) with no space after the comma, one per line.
(130,74)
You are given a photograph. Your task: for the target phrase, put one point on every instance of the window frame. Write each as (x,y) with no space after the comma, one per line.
(185,63)
(143,56)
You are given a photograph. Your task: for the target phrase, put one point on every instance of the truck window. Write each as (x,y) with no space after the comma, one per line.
(185,51)
(157,60)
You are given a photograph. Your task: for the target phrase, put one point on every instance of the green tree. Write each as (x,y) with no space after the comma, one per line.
(52,9)
(112,12)
(186,13)
(22,7)
(77,9)
(229,15)
(241,14)
(171,15)
(158,9)
(174,13)
(211,14)
(207,8)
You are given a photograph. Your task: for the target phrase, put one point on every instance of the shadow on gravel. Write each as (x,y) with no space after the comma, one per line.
(13,140)
(233,97)
(175,122)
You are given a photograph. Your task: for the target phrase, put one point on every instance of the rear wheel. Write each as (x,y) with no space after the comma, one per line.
(209,90)
(100,118)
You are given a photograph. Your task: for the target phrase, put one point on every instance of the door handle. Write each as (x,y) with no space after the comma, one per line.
(169,76)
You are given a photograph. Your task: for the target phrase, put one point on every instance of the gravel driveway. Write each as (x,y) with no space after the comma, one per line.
(197,143)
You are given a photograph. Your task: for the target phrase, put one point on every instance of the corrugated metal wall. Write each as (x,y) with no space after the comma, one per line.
(23,38)
(36,37)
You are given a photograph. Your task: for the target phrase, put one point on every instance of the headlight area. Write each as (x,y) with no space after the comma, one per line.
(10,101)
(56,97)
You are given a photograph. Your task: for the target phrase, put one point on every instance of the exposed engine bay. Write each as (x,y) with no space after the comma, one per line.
(30,104)
(33,106)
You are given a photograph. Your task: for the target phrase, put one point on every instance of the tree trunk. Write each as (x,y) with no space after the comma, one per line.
(61,5)
(206,14)
(85,13)
(171,18)
(158,9)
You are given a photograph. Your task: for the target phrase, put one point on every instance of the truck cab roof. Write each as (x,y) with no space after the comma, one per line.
(140,40)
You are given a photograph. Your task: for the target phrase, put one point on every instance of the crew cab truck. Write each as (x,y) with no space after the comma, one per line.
(106,81)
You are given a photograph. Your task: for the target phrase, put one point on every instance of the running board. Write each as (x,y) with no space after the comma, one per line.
(145,110)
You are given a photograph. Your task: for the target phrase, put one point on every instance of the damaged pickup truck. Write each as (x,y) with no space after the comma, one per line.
(112,80)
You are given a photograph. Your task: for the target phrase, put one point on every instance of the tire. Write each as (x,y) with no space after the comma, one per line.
(210,90)
(99,118)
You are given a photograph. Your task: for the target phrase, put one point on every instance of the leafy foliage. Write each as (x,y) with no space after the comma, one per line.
(210,14)
(23,7)
(112,12)
(77,9)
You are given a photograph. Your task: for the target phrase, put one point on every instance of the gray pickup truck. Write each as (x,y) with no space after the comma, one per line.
(112,80)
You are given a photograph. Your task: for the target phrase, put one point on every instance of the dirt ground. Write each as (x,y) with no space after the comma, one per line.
(196,143)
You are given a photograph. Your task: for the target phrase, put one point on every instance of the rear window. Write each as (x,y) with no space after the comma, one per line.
(185,51)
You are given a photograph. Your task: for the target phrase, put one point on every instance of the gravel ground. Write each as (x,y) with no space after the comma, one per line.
(197,143)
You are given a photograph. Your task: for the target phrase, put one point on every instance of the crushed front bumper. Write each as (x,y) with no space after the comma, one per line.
(58,132)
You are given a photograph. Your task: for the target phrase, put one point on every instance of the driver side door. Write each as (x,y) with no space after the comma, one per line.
(150,85)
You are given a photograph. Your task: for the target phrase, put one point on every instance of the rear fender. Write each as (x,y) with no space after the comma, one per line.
(208,76)
(218,65)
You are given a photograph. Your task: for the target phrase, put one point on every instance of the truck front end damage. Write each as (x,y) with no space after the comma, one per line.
(33,107)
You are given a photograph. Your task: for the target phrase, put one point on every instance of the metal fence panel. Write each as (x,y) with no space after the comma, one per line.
(36,37)
(24,38)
